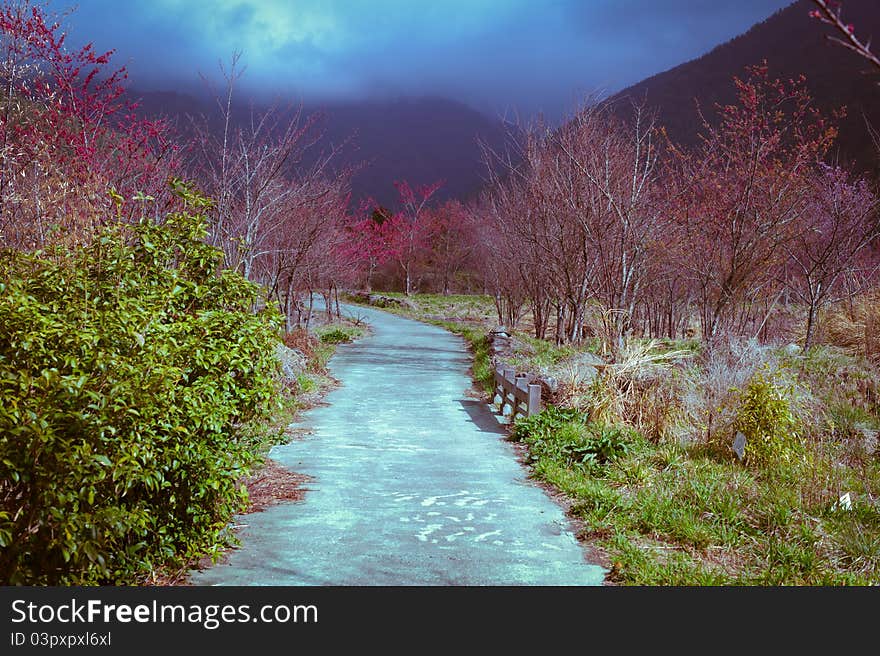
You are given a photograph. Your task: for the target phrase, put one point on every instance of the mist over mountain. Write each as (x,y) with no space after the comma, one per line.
(429,138)
(792,43)
(420,140)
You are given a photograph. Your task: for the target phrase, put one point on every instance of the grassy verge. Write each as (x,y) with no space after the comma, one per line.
(481,369)
(671,514)
(643,453)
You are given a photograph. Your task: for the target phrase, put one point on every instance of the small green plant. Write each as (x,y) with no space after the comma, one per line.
(305,383)
(545,423)
(566,437)
(338,334)
(764,414)
(335,336)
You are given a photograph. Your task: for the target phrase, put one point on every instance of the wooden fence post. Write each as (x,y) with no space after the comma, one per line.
(498,397)
(515,393)
(509,407)
(534,406)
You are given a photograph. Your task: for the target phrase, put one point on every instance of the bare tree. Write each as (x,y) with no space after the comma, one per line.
(839,227)
(280,202)
(742,194)
(612,193)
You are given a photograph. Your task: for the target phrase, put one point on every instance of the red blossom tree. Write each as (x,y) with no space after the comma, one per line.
(453,242)
(370,240)
(411,229)
(73,152)
(741,195)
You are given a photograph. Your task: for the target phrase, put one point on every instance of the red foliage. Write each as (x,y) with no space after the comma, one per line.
(74,151)
(740,196)
(370,241)
(454,235)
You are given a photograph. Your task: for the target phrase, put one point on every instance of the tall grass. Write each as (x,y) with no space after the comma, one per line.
(856,326)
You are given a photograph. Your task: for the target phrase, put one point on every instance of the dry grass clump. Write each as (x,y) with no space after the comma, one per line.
(856,326)
(639,388)
(303,341)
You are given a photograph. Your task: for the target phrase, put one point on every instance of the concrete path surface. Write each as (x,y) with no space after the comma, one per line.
(414,484)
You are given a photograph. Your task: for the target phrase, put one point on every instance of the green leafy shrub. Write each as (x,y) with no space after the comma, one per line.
(765,415)
(339,333)
(564,436)
(133,376)
(335,336)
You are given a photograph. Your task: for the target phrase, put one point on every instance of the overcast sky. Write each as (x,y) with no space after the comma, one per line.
(496,55)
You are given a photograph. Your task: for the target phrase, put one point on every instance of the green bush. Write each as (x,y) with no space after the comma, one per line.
(335,336)
(133,376)
(764,414)
(564,436)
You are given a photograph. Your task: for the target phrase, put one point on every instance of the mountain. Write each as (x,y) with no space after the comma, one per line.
(420,140)
(793,44)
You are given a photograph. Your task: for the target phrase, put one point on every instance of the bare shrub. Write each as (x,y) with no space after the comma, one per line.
(724,366)
(303,341)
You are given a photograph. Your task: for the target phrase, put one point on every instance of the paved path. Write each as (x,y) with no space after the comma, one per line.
(414,484)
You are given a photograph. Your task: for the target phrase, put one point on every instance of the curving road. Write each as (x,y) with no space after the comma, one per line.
(414,484)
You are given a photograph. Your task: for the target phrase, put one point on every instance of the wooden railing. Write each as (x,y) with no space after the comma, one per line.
(516,394)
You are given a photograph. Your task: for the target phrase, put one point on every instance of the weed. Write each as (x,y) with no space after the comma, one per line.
(306,384)
(564,436)
(338,333)
(764,414)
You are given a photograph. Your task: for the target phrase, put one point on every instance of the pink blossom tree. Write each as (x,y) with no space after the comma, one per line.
(411,230)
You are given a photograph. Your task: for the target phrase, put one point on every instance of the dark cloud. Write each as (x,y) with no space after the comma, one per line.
(494,54)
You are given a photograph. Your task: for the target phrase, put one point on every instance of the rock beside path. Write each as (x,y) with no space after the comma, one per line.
(293,362)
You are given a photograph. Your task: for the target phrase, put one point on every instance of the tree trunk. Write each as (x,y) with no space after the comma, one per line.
(288,318)
(311,306)
(811,321)
(370,277)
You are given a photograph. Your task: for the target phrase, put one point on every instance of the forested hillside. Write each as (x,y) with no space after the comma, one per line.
(793,44)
